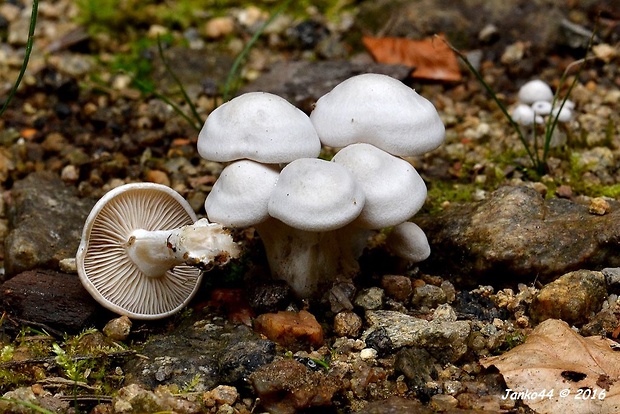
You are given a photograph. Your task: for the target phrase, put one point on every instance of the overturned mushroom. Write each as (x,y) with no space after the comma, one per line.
(142,252)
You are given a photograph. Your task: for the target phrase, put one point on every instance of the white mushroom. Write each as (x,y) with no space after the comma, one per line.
(564,113)
(379,110)
(535,90)
(316,195)
(408,241)
(308,241)
(258,126)
(524,115)
(142,252)
(542,107)
(394,190)
(240,196)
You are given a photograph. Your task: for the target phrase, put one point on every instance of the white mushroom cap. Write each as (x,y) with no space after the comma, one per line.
(394,190)
(564,114)
(535,90)
(107,271)
(379,110)
(408,241)
(523,114)
(542,107)
(258,126)
(316,195)
(240,196)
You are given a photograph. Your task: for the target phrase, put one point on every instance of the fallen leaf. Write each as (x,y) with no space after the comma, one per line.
(576,375)
(431,58)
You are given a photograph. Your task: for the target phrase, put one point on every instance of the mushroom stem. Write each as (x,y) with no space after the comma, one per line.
(311,262)
(201,244)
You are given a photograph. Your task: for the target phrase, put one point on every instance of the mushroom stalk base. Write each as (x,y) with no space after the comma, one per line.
(202,244)
(311,262)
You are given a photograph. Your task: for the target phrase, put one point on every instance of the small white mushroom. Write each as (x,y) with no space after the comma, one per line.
(240,196)
(142,251)
(258,126)
(564,114)
(308,240)
(524,115)
(316,195)
(408,241)
(381,111)
(535,90)
(394,190)
(542,107)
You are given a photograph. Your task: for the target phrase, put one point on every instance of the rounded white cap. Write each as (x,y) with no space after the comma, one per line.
(408,241)
(240,196)
(542,107)
(564,114)
(535,90)
(379,110)
(394,190)
(106,270)
(316,195)
(258,126)
(523,114)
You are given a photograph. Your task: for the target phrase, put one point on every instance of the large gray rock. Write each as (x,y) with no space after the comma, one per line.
(45,219)
(516,235)
(302,83)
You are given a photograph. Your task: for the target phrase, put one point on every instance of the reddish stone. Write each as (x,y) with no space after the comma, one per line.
(290,329)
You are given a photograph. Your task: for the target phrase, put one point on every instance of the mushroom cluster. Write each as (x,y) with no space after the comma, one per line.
(143,251)
(315,216)
(536,101)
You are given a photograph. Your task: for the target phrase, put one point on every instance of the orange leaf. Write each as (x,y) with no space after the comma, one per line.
(431,58)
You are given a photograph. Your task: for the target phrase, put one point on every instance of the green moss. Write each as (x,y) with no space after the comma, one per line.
(440,192)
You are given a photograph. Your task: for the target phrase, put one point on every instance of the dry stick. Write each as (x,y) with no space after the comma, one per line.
(29,43)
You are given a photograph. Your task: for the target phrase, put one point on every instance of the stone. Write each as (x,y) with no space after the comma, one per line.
(429,296)
(347,323)
(370,298)
(396,405)
(573,297)
(292,329)
(46,218)
(516,235)
(118,328)
(206,354)
(302,83)
(397,287)
(286,387)
(417,365)
(49,299)
(135,399)
(240,359)
(444,340)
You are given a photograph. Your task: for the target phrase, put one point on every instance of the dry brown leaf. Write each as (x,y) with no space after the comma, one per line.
(431,58)
(577,375)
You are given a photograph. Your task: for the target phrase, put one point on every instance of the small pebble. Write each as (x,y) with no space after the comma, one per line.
(118,329)
(348,324)
(368,353)
(599,206)
(397,287)
(370,299)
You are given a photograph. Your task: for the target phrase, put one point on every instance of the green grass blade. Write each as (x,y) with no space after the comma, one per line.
(29,44)
(491,92)
(232,74)
(198,119)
